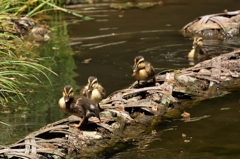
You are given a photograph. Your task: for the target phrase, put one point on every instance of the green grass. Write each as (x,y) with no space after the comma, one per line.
(18,67)
(16,70)
(33,7)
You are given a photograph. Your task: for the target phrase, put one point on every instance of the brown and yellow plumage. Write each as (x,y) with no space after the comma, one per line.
(79,105)
(93,90)
(143,70)
(197,49)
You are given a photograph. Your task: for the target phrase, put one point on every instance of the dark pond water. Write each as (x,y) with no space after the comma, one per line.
(111,41)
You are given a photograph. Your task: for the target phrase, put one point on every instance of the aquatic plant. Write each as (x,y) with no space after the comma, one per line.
(16,69)
(34,7)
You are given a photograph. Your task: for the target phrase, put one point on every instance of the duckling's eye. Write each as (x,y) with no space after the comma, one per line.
(140,62)
(94,84)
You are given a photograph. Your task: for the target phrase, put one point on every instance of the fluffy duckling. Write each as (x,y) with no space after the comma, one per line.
(197,50)
(93,90)
(143,70)
(40,34)
(79,106)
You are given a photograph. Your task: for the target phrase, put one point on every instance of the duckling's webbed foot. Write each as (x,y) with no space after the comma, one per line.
(80,123)
(96,120)
(75,126)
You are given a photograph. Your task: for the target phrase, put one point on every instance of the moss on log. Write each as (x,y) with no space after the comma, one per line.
(131,114)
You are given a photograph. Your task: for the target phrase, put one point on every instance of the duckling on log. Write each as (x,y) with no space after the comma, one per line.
(93,90)
(143,70)
(79,106)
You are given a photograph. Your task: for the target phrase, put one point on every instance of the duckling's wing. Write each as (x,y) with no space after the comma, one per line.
(83,91)
(102,91)
(90,108)
(149,69)
(93,112)
(77,108)
(203,52)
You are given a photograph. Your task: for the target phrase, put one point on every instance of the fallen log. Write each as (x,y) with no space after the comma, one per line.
(131,114)
(219,26)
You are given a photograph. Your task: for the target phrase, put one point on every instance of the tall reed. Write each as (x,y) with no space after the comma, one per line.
(17,70)
(33,7)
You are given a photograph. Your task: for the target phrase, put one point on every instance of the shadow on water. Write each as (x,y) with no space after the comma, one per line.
(109,44)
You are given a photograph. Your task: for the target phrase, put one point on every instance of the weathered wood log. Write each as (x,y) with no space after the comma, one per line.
(221,25)
(131,114)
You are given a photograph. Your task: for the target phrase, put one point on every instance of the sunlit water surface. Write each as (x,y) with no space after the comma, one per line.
(110,43)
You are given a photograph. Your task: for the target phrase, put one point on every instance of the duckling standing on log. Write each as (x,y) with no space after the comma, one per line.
(143,70)
(79,106)
(93,90)
(197,50)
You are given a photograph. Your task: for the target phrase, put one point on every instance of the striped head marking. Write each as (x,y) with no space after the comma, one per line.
(138,63)
(92,83)
(197,42)
(67,92)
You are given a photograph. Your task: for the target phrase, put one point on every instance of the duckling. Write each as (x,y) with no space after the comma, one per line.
(79,106)
(40,34)
(143,70)
(93,90)
(197,50)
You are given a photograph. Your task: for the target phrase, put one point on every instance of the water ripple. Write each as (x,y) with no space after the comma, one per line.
(119,34)
(109,44)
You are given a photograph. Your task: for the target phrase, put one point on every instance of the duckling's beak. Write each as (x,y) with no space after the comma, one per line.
(66,98)
(194,45)
(135,68)
(90,89)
